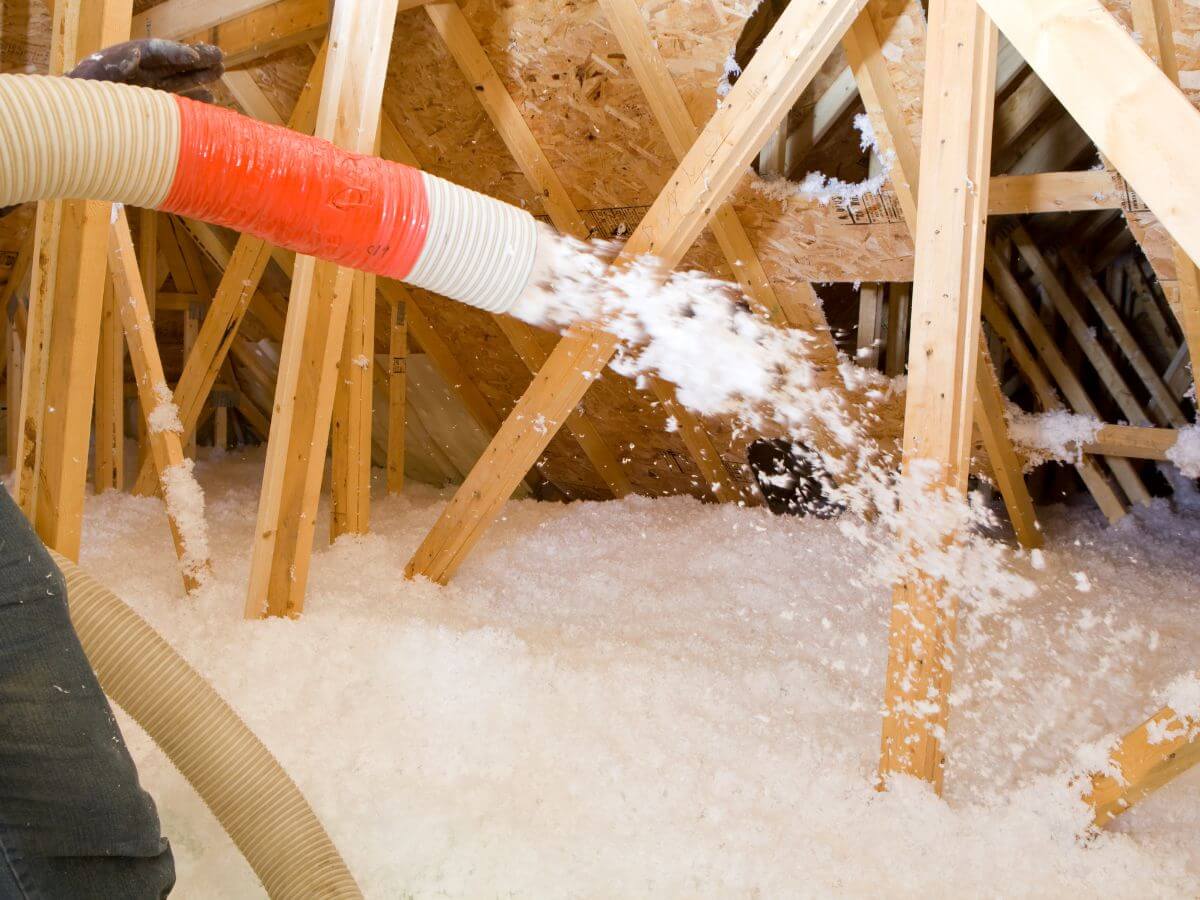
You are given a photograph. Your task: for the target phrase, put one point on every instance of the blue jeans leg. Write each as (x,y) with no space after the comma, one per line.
(74,821)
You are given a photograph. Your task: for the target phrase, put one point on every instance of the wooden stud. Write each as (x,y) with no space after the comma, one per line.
(175,19)
(945,337)
(899,307)
(246,29)
(282,25)
(1133,442)
(193,317)
(353,413)
(992,426)
(1160,749)
(65,309)
(1052,192)
(147,255)
(359,43)
(350,441)
(783,66)
(109,446)
(166,447)
(397,381)
(870,324)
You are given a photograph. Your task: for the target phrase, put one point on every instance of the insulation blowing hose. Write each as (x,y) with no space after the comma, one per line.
(64,138)
(254,799)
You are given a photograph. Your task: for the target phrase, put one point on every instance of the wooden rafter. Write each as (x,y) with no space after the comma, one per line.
(282,25)
(1054,289)
(783,66)
(671,113)
(175,19)
(1132,111)
(1152,18)
(178,19)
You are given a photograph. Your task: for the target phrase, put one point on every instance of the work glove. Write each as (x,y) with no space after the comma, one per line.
(151,62)
(166,65)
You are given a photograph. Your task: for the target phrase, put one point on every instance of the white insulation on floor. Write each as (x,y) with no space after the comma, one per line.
(669,699)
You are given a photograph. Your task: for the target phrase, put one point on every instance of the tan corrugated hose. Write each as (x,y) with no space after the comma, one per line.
(255,801)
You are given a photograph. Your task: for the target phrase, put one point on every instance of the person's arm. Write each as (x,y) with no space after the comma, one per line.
(164,65)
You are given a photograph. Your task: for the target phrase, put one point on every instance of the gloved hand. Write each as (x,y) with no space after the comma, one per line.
(155,63)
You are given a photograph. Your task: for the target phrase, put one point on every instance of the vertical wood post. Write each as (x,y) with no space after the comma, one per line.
(360,39)
(64,321)
(13,387)
(350,488)
(870,324)
(944,348)
(397,393)
(109,452)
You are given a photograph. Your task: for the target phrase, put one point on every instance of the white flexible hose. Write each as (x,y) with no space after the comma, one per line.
(70,139)
(233,772)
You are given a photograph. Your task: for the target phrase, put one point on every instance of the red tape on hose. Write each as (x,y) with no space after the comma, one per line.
(298,192)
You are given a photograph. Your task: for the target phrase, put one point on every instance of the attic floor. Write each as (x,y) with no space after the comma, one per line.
(664,698)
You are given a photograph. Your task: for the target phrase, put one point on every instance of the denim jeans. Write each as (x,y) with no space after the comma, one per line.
(74,821)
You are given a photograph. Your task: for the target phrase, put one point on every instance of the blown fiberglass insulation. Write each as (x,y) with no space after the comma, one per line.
(670,698)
